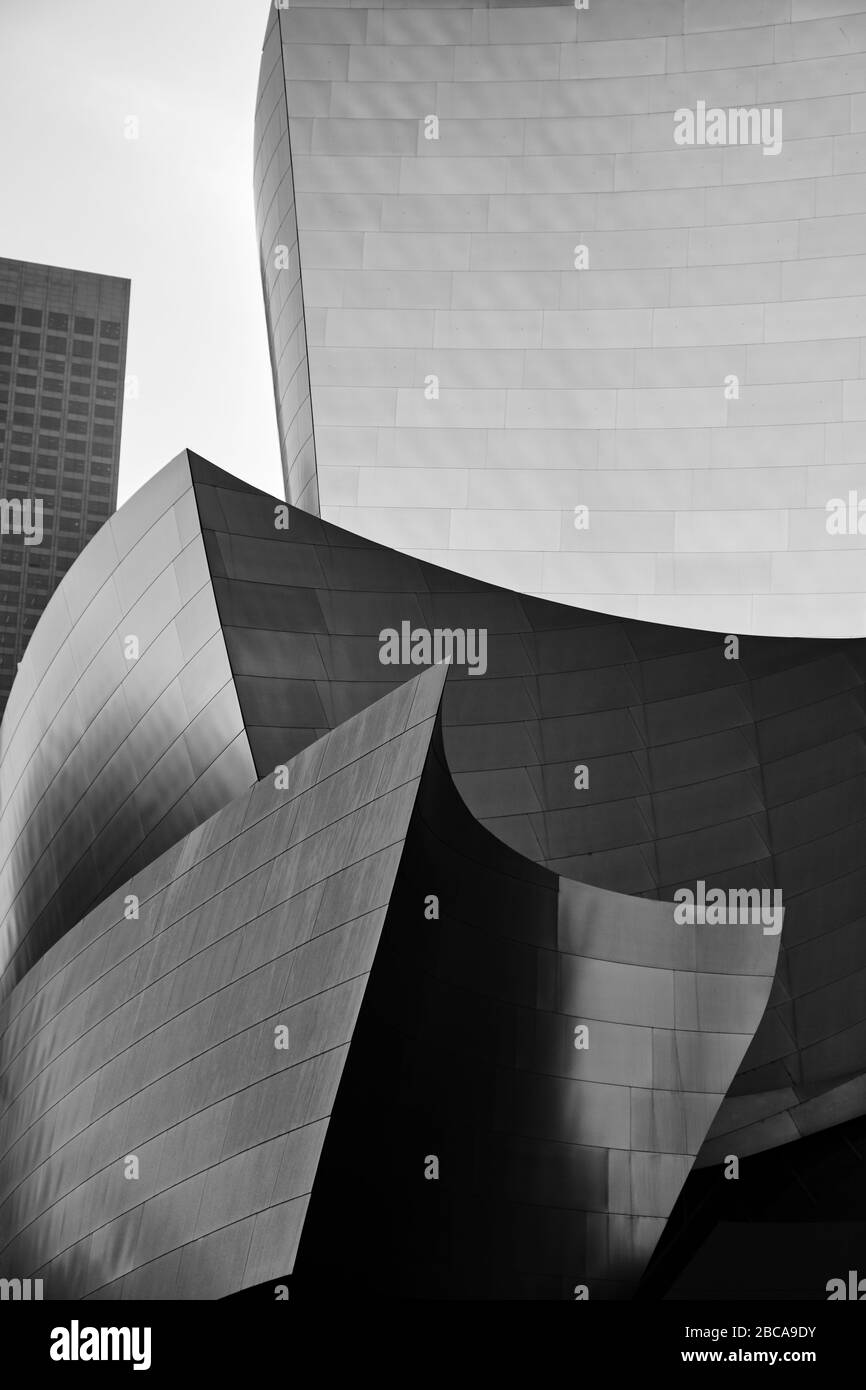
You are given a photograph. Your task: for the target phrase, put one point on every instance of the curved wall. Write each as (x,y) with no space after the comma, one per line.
(154,1037)
(280,269)
(557,1166)
(602,387)
(746,773)
(107,758)
(796,1215)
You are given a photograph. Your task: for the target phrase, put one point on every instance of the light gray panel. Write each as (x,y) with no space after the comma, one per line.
(556,130)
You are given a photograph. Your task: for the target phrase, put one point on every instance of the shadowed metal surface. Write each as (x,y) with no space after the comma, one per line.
(152,1038)
(745,773)
(558,1167)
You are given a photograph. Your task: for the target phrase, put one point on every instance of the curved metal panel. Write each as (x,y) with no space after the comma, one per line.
(280,267)
(744,772)
(165,1141)
(168,1075)
(494,199)
(555,1165)
(123,730)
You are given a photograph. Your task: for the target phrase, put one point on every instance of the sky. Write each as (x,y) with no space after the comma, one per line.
(171,210)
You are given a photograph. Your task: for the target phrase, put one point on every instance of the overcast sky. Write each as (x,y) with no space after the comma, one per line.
(172,210)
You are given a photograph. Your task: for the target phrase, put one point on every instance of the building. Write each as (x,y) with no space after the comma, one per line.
(62,365)
(499,290)
(239,836)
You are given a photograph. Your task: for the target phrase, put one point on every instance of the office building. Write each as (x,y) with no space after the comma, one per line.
(62,364)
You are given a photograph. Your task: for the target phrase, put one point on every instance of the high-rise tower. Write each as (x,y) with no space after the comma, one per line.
(62,363)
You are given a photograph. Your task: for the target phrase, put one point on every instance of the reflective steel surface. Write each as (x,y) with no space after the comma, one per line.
(555,893)
(153,1041)
(488,201)
(123,729)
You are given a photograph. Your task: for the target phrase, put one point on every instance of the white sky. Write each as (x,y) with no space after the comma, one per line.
(173,210)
